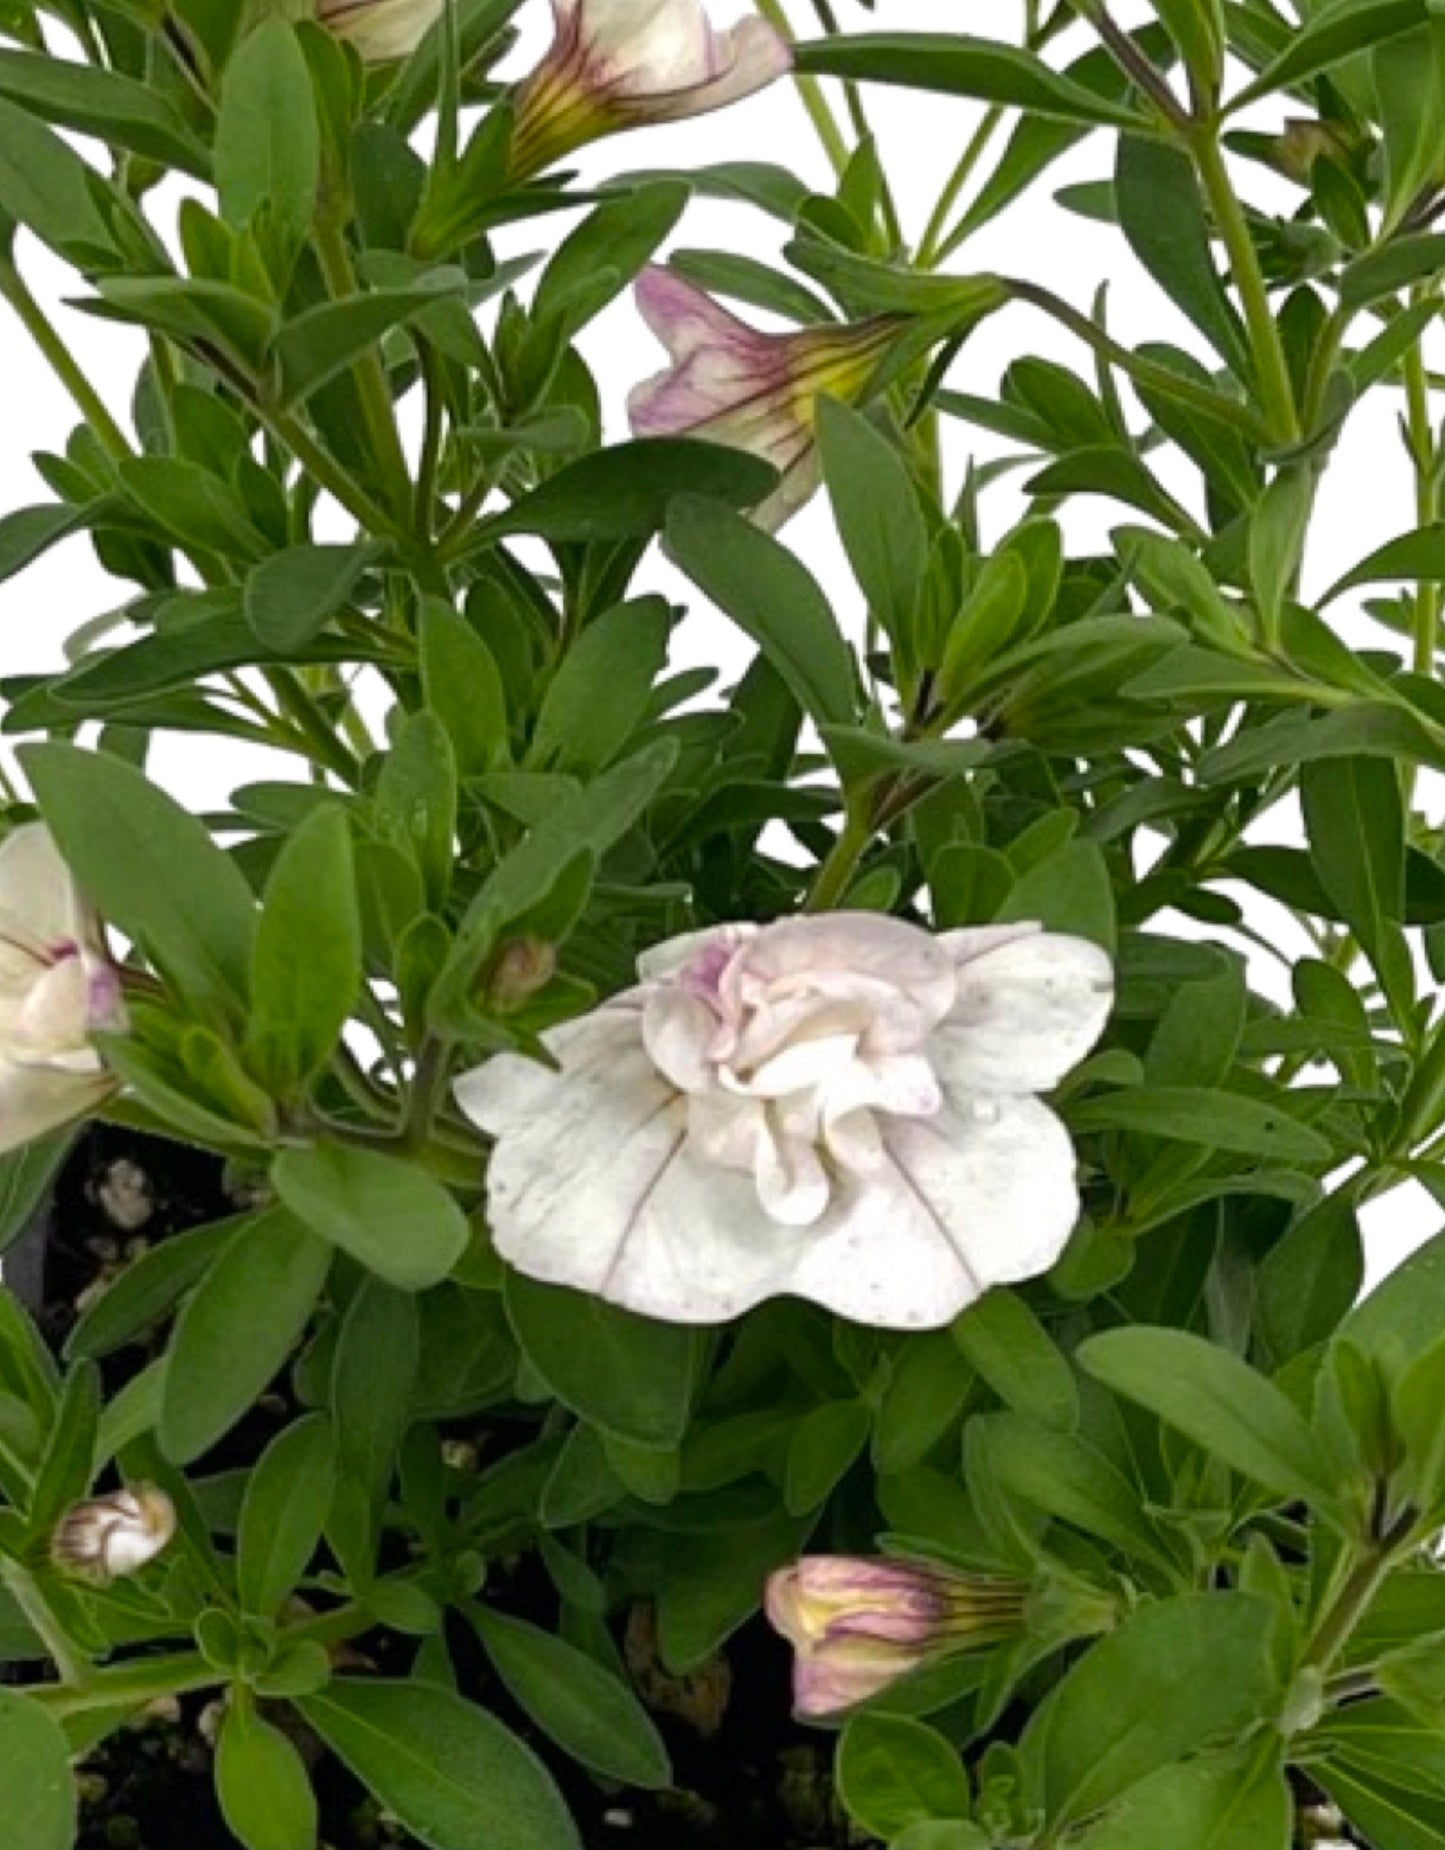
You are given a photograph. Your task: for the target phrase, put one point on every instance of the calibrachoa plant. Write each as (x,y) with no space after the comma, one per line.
(815,1162)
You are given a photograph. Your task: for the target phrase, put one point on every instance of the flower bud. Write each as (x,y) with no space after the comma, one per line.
(57,987)
(381,30)
(520,969)
(104,1538)
(616,64)
(857,1626)
(730,383)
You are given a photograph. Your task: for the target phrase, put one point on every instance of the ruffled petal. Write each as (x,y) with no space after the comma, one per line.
(996,1178)
(686,319)
(1028,1010)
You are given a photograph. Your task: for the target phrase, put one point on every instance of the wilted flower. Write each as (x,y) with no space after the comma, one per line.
(859,1625)
(732,384)
(381,30)
(107,1537)
(615,64)
(57,986)
(838,1106)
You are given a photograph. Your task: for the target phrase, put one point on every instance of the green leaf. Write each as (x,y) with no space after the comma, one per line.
(1369,729)
(1418,558)
(46,186)
(1218,1802)
(40,1808)
(958,65)
(625,492)
(1393,266)
(262,1783)
(1308,1282)
(879,519)
(111,107)
(316,345)
(590,1713)
(25,1178)
(824,1445)
(1009,1347)
(268,141)
(1409,81)
(236,1331)
(306,971)
(1395,1816)
(603,687)
(1223,1405)
(1354,814)
(464,689)
(1161,213)
(1218,1120)
(1063,1476)
(1277,531)
(773,597)
(452,1774)
(390,1215)
(291,596)
(416,801)
(372,1383)
(30,532)
(68,1461)
(893,1772)
(150,868)
(628,1375)
(1176,1677)
(1333,34)
(288,1495)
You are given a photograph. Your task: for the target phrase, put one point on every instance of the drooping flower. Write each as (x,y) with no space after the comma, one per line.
(732,384)
(616,64)
(858,1625)
(57,986)
(107,1537)
(381,30)
(842,1107)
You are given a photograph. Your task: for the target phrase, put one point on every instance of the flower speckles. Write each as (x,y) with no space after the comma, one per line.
(617,64)
(57,986)
(841,1107)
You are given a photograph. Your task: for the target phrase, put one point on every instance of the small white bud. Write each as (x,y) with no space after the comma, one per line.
(105,1538)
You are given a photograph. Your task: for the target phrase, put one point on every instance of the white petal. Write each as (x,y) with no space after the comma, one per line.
(36,890)
(997,1178)
(1027,1011)
(508,1091)
(692,948)
(793,1185)
(743,61)
(37,1099)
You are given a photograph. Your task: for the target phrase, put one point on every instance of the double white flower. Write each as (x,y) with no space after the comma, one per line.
(842,1107)
(57,987)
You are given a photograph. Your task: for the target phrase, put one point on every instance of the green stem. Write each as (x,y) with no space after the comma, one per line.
(810,93)
(1349,1605)
(377,407)
(74,1668)
(325,746)
(63,363)
(1427,500)
(935,248)
(1272,378)
(323,466)
(863,129)
(130,1685)
(1161,378)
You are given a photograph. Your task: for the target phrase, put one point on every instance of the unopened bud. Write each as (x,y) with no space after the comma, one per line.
(522,967)
(105,1538)
(857,1626)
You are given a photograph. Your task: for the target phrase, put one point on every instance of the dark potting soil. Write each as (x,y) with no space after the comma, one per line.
(747,1776)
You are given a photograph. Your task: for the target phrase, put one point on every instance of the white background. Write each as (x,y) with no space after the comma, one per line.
(1367,497)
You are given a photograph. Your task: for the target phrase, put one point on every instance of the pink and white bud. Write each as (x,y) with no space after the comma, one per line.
(57,987)
(732,384)
(106,1538)
(381,30)
(858,1625)
(618,64)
